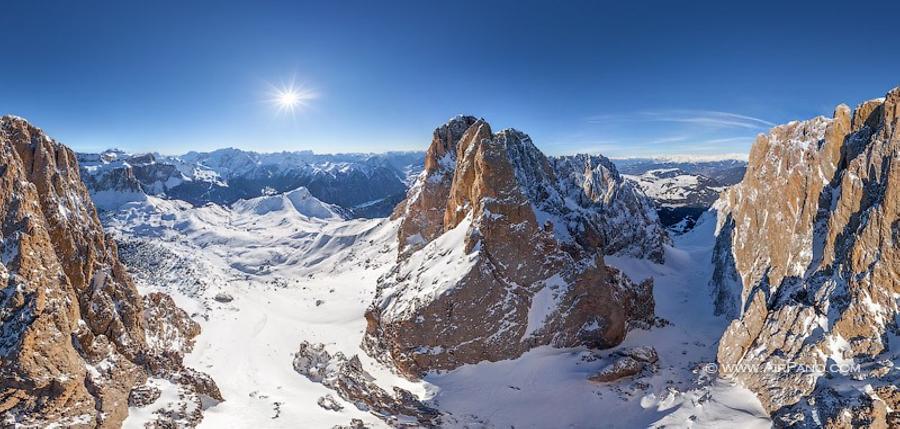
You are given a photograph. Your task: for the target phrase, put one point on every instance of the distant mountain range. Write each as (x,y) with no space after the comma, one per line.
(364,185)
(725,171)
(682,188)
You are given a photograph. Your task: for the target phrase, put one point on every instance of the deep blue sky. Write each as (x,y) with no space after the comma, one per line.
(630,79)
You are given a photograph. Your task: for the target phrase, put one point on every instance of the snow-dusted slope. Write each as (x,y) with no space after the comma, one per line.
(365,185)
(727,170)
(297,202)
(261,285)
(672,187)
(683,187)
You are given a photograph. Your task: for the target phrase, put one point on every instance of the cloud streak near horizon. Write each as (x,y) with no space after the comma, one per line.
(660,131)
(710,118)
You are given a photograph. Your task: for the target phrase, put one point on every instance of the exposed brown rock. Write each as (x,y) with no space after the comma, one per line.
(74,334)
(808,260)
(510,264)
(423,213)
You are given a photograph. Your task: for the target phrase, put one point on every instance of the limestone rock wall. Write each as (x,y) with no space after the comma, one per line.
(495,258)
(73,331)
(807,259)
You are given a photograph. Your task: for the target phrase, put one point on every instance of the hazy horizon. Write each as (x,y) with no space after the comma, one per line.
(678,157)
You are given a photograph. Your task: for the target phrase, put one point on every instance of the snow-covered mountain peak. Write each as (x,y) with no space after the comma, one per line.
(298,201)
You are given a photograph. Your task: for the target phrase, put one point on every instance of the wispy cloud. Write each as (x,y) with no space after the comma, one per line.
(662,132)
(726,140)
(664,140)
(706,118)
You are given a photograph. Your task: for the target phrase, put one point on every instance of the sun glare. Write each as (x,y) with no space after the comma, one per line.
(289,98)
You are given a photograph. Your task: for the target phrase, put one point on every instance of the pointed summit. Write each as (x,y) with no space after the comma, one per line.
(501,250)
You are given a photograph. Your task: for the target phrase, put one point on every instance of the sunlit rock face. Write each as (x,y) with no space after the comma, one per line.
(808,263)
(75,331)
(501,250)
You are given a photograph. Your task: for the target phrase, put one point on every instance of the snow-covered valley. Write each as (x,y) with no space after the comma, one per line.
(263,276)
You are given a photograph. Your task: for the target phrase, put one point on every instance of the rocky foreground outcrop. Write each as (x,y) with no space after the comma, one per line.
(501,250)
(75,335)
(808,261)
(354,384)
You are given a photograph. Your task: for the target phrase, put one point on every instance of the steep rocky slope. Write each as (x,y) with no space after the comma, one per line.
(808,261)
(76,337)
(501,250)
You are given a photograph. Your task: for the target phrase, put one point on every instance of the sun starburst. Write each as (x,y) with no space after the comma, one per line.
(289,98)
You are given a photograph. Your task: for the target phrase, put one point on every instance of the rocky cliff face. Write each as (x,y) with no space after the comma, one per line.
(501,250)
(74,333)
(609,213)
(808,261)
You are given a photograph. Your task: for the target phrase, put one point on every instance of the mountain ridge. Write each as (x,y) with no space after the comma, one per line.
(365,185)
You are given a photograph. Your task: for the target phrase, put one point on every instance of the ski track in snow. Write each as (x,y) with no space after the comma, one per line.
(293,278)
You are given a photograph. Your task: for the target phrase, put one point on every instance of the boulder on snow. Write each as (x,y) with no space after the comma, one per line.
(142,396)
(329,403)
(223,297)
(622,367)
(354,424)
(627,362)
(645,354)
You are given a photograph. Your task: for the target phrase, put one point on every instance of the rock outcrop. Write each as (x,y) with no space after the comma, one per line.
(808,261)
(352,383)
(74,333)
(501,250)
(627,363)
